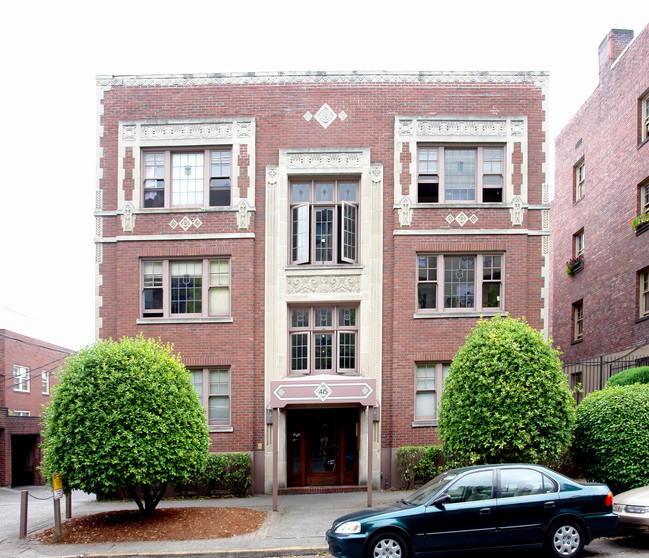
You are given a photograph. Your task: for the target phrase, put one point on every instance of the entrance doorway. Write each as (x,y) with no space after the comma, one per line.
(322,447)
(22,459)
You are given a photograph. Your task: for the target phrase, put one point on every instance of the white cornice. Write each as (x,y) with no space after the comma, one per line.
(264,78)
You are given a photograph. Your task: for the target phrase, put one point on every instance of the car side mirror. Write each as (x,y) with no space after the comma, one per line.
(441,500)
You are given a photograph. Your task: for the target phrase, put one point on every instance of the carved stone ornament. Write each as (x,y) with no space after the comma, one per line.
(272,176)
(324,160)
(545,245)
(376,172)
(462,218)
(99,227)
(325,116)
(244,129)
(406,127)
(323,284)
(243,215)
(185,223)
(461,127)
(128,217)
(517,127)
(517,211)
(545,220)
(99,253)
(405,212)
(99,200)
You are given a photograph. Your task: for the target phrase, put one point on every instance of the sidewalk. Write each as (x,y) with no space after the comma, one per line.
(297,528)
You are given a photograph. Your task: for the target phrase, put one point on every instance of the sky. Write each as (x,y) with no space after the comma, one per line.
(53,51)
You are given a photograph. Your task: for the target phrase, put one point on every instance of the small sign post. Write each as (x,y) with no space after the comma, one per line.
(57,485)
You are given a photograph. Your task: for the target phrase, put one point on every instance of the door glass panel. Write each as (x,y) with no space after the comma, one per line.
(323,448)
(295,439)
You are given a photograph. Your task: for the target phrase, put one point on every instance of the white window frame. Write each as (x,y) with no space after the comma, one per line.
(161,279)
(481,261)
(578,321)
(303,223)
(211,175)
(429,379)
(306,336)
(644,118)
(579,179)
(21,378)
(17,413)
(578,244)
(45,382)
(643,288)
(644,198)
(431,169)
(201,379)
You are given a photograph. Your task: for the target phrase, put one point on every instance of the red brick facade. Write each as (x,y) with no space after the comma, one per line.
(287,127)
(20,454)
(606,136)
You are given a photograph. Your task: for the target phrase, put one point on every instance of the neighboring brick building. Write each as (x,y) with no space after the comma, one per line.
(602,184)
(27,369)
(318,245)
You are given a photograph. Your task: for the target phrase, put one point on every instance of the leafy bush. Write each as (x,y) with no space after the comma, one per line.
(418,463)
(630,376)
(125,414)
(229,472)
(505,398)
(612,436)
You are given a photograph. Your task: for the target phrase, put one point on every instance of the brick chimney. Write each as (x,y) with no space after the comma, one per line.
(611,47)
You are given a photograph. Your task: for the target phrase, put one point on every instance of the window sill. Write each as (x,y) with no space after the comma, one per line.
(576,341)
(21,391)
(456,205)
(471,314)
(642,319)
(220,428)
(424,423)
(143,321)
(186,209)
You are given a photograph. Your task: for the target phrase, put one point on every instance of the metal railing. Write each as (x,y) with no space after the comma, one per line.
(592,374)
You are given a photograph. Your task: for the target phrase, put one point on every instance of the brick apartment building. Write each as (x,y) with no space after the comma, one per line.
(26,377)
(318,245)
(602,184)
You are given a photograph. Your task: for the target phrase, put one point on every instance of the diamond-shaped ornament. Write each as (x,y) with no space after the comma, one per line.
(325,116)
(323,391)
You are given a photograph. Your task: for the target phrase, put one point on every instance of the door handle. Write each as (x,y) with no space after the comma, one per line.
(485,511)
(548,505)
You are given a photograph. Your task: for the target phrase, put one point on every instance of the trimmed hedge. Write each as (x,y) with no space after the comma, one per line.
(612,436)
(630,376)
(224,474)
(418,463)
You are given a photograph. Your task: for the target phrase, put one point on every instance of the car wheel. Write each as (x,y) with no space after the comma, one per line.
(565,539)
(388,545)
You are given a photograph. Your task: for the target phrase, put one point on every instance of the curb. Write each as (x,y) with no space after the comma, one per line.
(245,553)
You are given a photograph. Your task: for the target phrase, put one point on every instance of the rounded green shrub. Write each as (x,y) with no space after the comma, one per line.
(506,398)
(125,415)
(612,436)
(630,376)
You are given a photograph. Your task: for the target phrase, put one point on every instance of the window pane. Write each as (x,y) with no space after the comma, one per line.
(300,241)
(324,231)
(324,192)
(323,317)
(220,163)
(300,317)
(459,168)
(197,381)
(300,351)
(219,382)
(323,351)
(347,317)
(459,282)
(347,191)
(347,350)
(425,403)
(187,179)
(427,285)
(427,295)
(300,192)
(426,377)
(428,160)
(186,287)
(520,482)
(349,232)
(220,300)
(219,409)
(492,161)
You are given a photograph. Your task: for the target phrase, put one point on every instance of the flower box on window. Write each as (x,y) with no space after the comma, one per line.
(574,266)
(640,224)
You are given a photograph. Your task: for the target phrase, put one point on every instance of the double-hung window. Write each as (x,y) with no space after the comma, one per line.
(460,174)
(21,378)
(45,382)
(578,321)
(579,179)
(644,117)
(644,293)
(186,178)
(448,283)
(428,389)
(578,244)
(213,389)
(323,339)
(186,288)
(324,221)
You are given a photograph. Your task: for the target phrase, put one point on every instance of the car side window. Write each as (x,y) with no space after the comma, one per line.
(524,482)
(472,487)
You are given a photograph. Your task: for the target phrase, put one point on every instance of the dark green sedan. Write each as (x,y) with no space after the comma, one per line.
(481,508)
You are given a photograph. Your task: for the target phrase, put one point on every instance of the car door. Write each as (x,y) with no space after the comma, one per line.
(527,500)
(468,519)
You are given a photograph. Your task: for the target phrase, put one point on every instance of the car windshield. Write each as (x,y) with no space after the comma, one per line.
(426,492)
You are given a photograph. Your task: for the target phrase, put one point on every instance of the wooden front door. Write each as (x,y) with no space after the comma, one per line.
(322,447)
